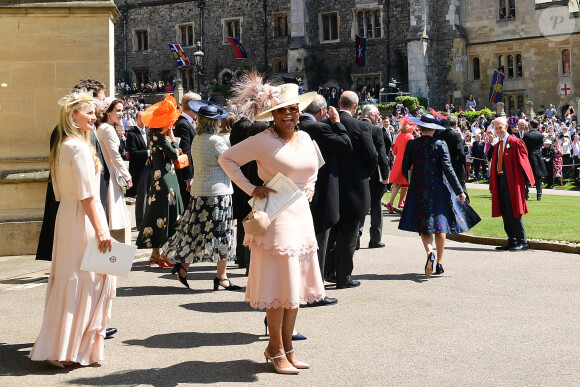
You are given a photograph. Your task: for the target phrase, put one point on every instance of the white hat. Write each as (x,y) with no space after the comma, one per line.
(285,95)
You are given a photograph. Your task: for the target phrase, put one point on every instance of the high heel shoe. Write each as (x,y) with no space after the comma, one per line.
(163,258)
(298,364)
(287,370)
(429,264)
(158,261)
(176,270)
(298,336)
(439,269)
(390,208)
(217,282)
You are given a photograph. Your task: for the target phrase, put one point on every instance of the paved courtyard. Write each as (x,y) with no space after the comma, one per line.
(493,318)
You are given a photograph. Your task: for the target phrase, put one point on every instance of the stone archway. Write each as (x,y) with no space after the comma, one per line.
(226,74)
(563,106)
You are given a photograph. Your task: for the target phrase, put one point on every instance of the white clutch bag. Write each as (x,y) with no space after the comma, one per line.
(117,262)
(120,179)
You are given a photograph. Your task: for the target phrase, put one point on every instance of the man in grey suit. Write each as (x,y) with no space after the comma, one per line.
(378,178)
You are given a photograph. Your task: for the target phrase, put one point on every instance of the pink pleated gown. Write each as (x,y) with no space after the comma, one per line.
(78,303)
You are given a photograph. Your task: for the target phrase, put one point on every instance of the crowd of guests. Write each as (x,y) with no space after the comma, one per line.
(194,165)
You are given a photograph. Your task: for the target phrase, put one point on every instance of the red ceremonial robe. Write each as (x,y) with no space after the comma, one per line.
(517,168)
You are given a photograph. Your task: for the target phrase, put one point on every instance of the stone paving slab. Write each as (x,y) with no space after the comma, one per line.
(493,318)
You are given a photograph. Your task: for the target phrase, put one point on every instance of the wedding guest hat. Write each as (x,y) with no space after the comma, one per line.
(208,109)
(428,121)
(281,96)
(162,114)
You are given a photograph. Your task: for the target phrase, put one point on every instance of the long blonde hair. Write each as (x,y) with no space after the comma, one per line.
(74,102)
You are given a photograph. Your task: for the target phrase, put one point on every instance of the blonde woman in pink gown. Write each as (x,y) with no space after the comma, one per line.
(284,269)
(78,303)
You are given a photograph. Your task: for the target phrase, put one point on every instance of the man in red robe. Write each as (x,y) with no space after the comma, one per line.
(510,168)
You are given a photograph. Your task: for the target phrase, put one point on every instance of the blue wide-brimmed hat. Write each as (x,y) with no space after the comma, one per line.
(208,109)
(428,121)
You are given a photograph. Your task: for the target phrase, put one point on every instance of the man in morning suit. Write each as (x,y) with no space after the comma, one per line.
(138,148)
(185,130)
(333,141)
(534,141)
(454,141)
(510,169)
(354,170)
(379,176)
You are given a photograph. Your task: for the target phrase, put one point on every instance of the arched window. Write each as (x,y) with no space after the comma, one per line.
(519,66)
(476,74)
(361,23)
(378,32)
(368,81)
(359,83)
(510,65)
(521,106)
(566,62)
(369,22)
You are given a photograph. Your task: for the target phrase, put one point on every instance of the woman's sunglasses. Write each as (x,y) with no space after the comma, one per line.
(292,109)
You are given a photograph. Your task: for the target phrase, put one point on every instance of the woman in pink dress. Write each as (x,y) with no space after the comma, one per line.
(284,272)
(78,303)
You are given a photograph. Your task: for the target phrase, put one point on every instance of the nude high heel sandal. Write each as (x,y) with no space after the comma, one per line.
(299,364)
(288,370)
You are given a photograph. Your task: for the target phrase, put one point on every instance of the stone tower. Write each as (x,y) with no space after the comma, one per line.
(436,45)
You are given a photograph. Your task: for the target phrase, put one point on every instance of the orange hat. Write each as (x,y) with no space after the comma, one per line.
(162,114)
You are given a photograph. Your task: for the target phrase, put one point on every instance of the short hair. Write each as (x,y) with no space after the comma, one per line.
(189,96)
(316,105)
(367,109)
(534,124)
(91,84)
(522,120)
(348,99)
(452,119)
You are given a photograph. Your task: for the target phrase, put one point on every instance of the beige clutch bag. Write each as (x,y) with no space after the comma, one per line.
(257,222)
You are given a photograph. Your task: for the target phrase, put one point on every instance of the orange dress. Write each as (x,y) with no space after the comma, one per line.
(399,150)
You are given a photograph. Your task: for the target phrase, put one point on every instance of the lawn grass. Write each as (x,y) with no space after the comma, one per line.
(554,218)
(568,184)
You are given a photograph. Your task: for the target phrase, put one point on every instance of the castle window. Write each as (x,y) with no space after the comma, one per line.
(369,23)
(141,40)
(476,71)
(329,26)
(519,66)
(142,76)
(280,65)
(510,65)
(280,22)
(378,24)
(566,62)
(507,9)
(232,28)
(185,36)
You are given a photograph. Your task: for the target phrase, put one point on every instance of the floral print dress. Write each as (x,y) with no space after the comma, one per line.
(164,204)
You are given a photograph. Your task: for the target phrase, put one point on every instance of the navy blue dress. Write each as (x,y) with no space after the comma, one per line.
(432,205)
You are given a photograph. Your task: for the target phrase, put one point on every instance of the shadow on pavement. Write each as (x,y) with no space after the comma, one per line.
(181,340)
(15,362)
(220,306)
(24,280)
(240,371)
(415,277)
(489,249)
(140,291)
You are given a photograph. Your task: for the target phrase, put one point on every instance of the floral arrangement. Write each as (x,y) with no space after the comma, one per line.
(252,96)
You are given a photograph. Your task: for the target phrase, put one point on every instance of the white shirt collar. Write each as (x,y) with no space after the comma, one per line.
(189,118)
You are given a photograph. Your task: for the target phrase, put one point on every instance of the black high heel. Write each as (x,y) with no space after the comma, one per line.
(217,284)
(439,269)
(429,264)
(176,270)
